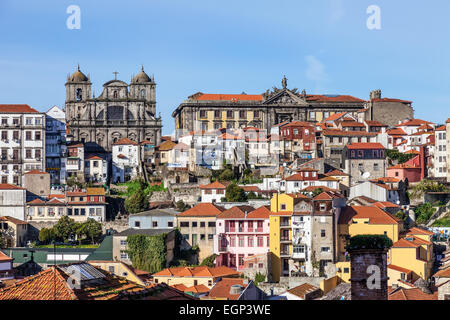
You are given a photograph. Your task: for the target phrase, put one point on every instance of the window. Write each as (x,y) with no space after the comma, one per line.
(202,114)
(202,224)
(323,207)
(170,224)
(325,249)
(322,233)
(27,135)
(241,260)
(212,224)
(260,242)
(194,224)
(137,224)
(111,269)
(255,114)
(250,241)
(241,242)
(202,236)
(155,224)
(123,242)
(375,167)
(283,206)
(210,236)
(229,114)
(232,242)
(123,255)
(346,270)
(312,115)
(37,136)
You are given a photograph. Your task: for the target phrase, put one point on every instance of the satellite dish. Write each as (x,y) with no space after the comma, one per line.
(366,175)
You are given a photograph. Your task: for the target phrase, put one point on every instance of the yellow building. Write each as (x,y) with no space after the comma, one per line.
(414,252)
(362,220)
(121,269)
(282,207)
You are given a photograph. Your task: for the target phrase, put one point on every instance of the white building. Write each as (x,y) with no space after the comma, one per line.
(125,160)
(213,192)
(376,191)
(12,201)
(22,141)
(440,153)
(55,145)
(96,168)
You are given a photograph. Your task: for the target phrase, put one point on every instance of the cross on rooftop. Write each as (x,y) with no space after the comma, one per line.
(115,75)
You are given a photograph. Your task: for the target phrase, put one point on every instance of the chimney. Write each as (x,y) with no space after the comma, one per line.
(368,256)
(236,289)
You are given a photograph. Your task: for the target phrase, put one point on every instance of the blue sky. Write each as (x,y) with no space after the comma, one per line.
(229,46)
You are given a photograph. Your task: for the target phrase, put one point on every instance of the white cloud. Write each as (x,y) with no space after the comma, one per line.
(336,10)
(315,70)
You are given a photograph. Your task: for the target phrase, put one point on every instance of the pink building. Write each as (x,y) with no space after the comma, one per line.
(412,169)
(241,232)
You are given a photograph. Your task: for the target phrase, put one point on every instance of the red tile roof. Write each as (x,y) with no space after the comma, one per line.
(413,243)
(228,97)
(339,98)
(202,210)
(371,123)
(6,186)
(214,185)
(125,141)
(445,273)
(16,108)
(396,132)
(410,294)
(221,289)
(365,145)
(235,212)
(335,116)
(13,220)
(420,231)
(386,204)
(374,214)
(201,271)
(413,122)
(336,173)
(4,257)
(337,132)
(397,268)
(36,172)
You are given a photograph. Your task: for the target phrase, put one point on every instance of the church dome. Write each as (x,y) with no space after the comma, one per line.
(78,76)
(141,77)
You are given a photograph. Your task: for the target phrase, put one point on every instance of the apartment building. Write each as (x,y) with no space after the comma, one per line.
(241,232)
(440,153)
(22,142)
(125,160)
(55,145)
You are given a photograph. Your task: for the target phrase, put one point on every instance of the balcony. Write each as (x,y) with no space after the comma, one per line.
(285,239)
(299,255)
(222,249)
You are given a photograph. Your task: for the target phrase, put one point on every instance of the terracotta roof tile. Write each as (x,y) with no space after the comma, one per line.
(411,294)
(16,108)
(303,289)
(397,268)
(214,185)
(125,141)
(365,145)
(221,290)
(228,97)
(202,210)
(374,214)
(420,231)
(6,186)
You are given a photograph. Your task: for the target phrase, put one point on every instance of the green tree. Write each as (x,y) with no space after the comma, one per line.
(147,252)
(46,235)
(227,175)
(259,277)
(137,202)
(64,228)
(209,261)
(317,191)
(234,193)
(92,229)
(181,206)
(74,182)
(424,212)
(426,186)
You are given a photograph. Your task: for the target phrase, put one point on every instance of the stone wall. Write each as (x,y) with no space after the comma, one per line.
(390,113)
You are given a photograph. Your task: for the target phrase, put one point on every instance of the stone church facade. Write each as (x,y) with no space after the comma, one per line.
(121,111)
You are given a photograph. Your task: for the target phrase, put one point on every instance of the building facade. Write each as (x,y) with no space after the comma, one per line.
(121,111)
(22,142)
(213,111)
(55,145)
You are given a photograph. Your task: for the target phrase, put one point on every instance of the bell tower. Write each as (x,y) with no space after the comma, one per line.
(78,91)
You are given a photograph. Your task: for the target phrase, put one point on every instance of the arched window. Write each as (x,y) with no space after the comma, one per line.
(79,94)
(143,93)
(115,94)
